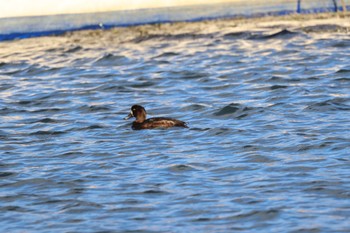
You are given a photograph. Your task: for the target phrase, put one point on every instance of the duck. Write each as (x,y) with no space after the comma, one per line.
(141,122)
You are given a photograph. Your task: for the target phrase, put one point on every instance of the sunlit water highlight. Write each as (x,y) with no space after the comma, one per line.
(267,149)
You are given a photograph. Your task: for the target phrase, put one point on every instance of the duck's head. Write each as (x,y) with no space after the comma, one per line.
(138,112)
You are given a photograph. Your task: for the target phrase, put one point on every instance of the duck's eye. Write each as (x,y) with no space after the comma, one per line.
(133,109)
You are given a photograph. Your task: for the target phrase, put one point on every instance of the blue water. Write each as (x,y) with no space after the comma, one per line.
(267,149)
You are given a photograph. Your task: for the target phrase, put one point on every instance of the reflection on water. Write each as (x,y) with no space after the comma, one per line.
(268,107)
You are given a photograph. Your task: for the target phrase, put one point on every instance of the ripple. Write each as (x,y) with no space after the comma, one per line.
(111,60)
(329,105)
(324,28)
(6,174)
(229,109)
(238,35)
(267,101)
(238,111)
(194,107)
(169,37)
(18,209)
(74,49)
(181,168)
(342,44)
(276,87)
(283,34)
(46,120)
(48,110)
(343,71)
(167,54)
(154,192)
(36,70)
(259,215)
(94,108)
(48,132)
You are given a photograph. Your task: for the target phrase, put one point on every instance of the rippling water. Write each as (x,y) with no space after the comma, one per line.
(267,149)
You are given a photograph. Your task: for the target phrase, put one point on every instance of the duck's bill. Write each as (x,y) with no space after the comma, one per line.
(128,116)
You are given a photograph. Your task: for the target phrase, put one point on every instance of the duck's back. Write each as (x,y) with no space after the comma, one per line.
(159,122)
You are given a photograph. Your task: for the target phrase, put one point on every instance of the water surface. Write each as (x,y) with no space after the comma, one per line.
(268,107)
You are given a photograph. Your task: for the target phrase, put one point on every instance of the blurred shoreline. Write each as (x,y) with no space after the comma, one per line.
(322,22)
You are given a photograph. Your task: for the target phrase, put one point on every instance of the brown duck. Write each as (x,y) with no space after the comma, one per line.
(141,122)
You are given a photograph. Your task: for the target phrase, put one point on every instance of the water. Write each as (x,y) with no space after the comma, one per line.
(268,105)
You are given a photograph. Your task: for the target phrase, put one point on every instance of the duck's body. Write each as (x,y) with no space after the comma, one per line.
(139,113)
(158,122)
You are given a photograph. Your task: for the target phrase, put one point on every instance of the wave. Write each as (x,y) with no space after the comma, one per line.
(325,28)
(238,111)
(284,33)
(337,104)
(111,60)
